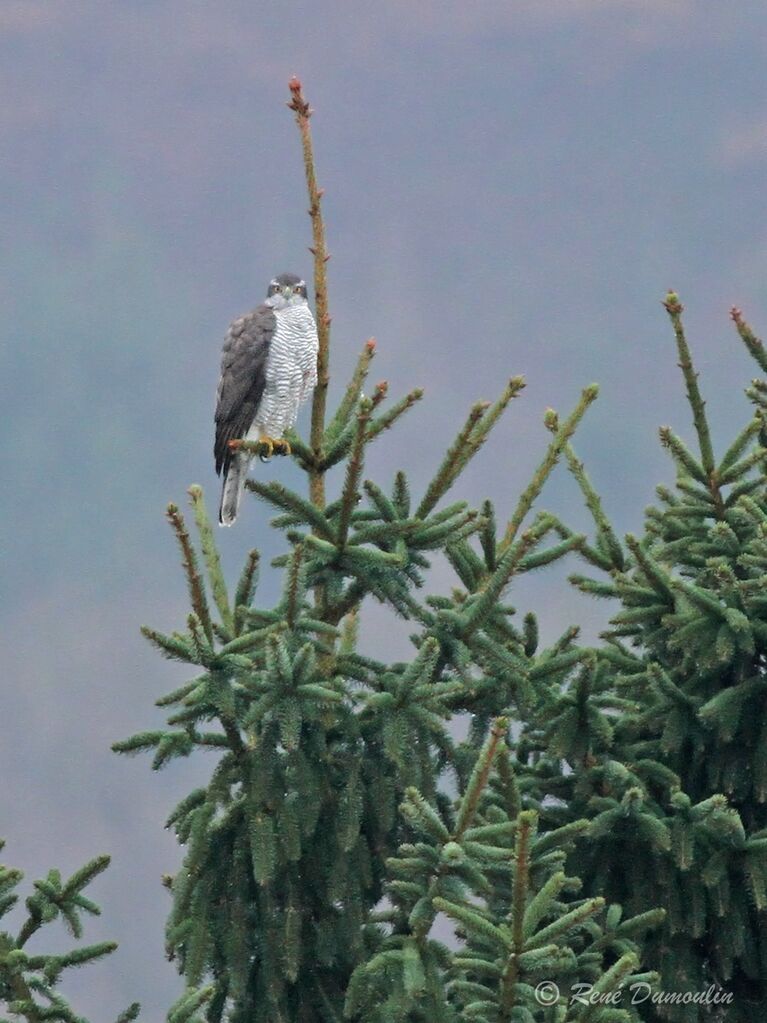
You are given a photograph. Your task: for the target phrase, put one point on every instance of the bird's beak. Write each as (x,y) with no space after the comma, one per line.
(287,291)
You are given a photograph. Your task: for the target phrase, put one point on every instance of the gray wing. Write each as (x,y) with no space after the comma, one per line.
(243,376)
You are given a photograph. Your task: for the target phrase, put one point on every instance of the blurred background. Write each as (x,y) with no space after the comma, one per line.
(511,187)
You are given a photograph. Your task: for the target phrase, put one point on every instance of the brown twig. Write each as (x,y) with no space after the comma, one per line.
(300,107)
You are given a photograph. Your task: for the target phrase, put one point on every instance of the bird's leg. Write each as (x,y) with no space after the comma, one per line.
(267,445)
(281,446)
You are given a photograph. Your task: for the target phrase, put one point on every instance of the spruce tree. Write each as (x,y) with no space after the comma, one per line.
(29,980)
(659,738)
(326,842)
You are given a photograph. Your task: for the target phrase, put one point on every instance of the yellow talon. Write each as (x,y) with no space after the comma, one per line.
(282,447)
(267,445)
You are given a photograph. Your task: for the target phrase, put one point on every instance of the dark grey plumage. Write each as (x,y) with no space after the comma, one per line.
(243,378)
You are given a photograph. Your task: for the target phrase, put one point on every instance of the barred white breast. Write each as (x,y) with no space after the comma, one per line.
(291,371)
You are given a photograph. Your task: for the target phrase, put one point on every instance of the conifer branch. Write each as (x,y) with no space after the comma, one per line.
(526,824)
(350,626)
(479,777)
(189,562)
(754,344)
(339,448)
(741,442)
(507,782)
(84,876)
(390,417)
(401,494)
(514,387)
(295,591)
(211,556)
(486,598)
(661,678)
(232,732)
(567,922)
(442,480)
(533,489)
(415,806)
(32,924)
(352,394)
(174,647)
(300,450)
(657,578)
(745,465)
(341,441)
(25,977)
(605,532)
(674,308)
(300,107)
(487,535)
(383,505)
(483,415)
(350,494)
(201,644)
(22,994)
(281,497)
(246,584)
(348,602)
(744,488)
(379,394)
(573,542)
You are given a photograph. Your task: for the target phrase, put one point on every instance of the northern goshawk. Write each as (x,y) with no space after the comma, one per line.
(268,368)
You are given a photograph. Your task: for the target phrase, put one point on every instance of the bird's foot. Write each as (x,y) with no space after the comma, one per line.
(281,446)
(267,445)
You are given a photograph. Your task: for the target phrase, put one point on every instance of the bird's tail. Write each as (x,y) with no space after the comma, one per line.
(231,492)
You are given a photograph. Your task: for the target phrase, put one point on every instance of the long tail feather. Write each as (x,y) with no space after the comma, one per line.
(231,492)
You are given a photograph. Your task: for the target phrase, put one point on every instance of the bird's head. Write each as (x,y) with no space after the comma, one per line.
(286,290)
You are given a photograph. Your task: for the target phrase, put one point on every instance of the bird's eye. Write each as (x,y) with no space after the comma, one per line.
(298,289)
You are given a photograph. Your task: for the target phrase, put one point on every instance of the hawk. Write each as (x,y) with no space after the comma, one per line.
(268,368)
